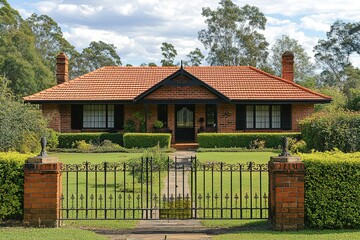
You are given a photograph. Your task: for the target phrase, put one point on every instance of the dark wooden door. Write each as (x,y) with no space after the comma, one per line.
(185,123)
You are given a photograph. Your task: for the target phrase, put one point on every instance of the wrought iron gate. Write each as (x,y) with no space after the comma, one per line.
(174,190)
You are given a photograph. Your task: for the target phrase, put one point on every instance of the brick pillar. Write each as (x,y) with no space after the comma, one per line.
(42,192)
(286,193)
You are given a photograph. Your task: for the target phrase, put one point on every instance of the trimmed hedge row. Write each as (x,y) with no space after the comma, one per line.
(66,140)
(12,185)
(332,190)
(241,140)
(147,140)
(326,131)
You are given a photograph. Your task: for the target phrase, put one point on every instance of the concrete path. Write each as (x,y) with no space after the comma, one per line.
(169,229)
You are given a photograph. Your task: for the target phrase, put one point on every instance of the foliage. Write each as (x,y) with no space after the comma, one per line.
(257,144)
(154,156)
(297,146)
(326,131)
(94,147)
(303,68)
(195,57)
(333,54)
(20,62)
(351,88)
(158,124)
(146,140)
(338,102)
(233,149)
(97,55)
(232,36)
(241,140)
(12,185)
(66,140)
(169,53)
(332,183)
(49,41)
(140,117)
(129,126)
(22,126)
(52,138)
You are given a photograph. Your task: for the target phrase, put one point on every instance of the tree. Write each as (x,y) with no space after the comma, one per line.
(169,53)
(195,57)
(352,88)
(303,68)
(232,36)
(49,41)
(97,55)
(20,63)
(333,54)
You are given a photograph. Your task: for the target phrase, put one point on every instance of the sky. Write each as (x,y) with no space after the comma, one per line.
(138,27)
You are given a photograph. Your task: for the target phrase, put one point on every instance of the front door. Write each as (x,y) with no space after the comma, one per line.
(185,123)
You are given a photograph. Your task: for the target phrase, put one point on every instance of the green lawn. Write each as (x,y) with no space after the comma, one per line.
(16,233)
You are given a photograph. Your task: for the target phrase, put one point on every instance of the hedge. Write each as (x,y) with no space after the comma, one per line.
(66,140)
(146,140)
(326,131)
(12,185)
(241,140)
(332,190)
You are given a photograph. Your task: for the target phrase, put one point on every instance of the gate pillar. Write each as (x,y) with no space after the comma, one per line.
(42,191)
(286,193)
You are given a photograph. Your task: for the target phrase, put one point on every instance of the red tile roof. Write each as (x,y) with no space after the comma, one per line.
(126,83)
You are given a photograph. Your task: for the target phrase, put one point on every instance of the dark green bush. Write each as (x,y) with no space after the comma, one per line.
(11,185)
(147,140)
(326,131)
(66,140)
(241,140)
(332,190)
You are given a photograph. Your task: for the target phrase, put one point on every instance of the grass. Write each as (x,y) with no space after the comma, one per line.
(17,233)
(112,187)
(253,185)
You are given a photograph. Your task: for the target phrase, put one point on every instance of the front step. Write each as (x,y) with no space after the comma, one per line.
(185,146)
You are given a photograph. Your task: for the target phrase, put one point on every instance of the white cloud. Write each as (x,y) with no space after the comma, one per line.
(138,27)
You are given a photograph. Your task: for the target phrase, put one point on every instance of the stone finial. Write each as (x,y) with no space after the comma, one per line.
(43,147)
(285,148)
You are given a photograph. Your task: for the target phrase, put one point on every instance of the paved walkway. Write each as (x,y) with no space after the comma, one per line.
(168,229)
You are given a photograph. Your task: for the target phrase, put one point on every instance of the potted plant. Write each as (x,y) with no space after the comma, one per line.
(159,127)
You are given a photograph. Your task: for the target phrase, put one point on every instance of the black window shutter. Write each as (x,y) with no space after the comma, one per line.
(286,117)
(76,116)
(119,116)
(240,117)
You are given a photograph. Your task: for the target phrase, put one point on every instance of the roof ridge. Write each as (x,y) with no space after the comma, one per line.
(289,82)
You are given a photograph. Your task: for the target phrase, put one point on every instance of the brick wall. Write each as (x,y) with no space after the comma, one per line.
(286,195)
(186,92)
(42,192)
(65,111)
(52,112)
(300,111)
(199,113)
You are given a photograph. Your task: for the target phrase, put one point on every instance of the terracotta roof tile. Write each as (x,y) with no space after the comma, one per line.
(126,83)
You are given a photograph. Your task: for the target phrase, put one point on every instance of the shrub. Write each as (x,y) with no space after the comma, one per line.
(52,139)
(12,185)
(66,140)
(326,131)
(241,140)
(146,140)
(22,126)
(332,190)
(129,126)
(257,144)
(105,146)
(158,124)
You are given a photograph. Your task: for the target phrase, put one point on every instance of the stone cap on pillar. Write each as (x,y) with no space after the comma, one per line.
(42,157)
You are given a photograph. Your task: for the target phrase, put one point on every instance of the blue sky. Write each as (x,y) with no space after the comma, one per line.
(138,27)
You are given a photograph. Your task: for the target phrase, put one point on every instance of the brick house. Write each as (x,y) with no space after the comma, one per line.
(187,100)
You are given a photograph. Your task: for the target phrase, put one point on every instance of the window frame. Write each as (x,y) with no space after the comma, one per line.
(270,116)
(163,114)
(106,116)
(208,107)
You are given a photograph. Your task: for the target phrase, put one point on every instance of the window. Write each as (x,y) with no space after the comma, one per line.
(162,114)
(263,116)
(98,116)
(185,118)
(211,115)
